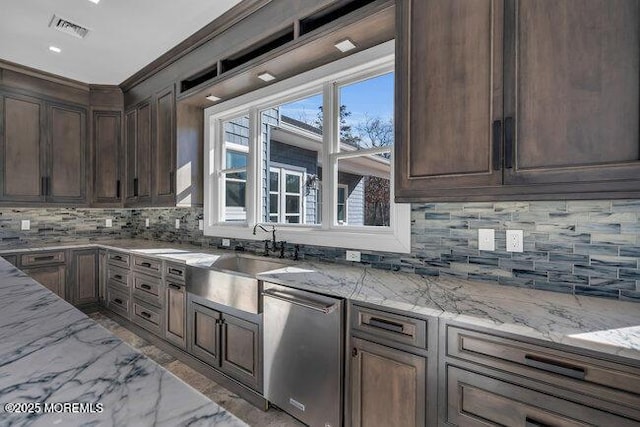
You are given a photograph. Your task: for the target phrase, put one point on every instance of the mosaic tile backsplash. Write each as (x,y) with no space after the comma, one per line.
(581,247)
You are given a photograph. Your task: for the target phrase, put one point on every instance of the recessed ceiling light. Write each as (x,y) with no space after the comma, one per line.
(95,1)
(266,77)
(213,98)
(55,49)
(345,45)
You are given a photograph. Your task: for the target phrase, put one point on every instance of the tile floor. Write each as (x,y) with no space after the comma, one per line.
(223,397)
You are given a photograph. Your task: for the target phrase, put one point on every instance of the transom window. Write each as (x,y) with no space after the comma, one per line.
(313,154)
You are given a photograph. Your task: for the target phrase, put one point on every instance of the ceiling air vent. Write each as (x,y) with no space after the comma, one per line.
(68,27)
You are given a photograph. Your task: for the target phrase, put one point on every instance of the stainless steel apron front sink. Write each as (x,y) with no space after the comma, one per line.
(231,281)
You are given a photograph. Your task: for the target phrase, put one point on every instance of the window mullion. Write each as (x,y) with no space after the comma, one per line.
(329,147)
(254,173)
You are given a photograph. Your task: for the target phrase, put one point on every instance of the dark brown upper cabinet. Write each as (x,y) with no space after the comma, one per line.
(164,164)
(67,178)
(44,151)
(517,99)
(138,134)
(107,178)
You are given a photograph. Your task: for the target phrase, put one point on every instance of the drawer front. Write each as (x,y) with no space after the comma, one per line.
(148,288)
(118,276)
(119,258)
(43,258)
(603,379)
(118,302)
(394,327)
(175,272)
(147,265)
(147,316)
(477,400)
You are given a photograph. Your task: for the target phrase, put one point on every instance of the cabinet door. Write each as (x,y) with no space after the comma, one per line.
(106,163)
(143,153)
(130,134)
(388,386)
(22,144)
(204,335)
(240,350)
(52,278)
(175,311)
(449,93)
(574,95)
(84,277)
(165,149)
(67,180)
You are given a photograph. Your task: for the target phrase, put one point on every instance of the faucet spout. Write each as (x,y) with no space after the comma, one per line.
(261,227)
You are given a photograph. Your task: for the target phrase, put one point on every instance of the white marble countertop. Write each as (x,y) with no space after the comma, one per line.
(51,353)
(607,326)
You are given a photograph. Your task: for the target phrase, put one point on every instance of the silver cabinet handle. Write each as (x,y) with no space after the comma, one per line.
(555,366)
(307,303)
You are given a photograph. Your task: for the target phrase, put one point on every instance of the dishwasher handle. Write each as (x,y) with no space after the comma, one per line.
(302,302)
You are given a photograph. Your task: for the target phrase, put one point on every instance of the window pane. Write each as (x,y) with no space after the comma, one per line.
(293,204)
(292,144)
(235,154)
(273,203)
(295,219)
(293,183)
(236,159)
(366,181)
(274,181)
(366,113)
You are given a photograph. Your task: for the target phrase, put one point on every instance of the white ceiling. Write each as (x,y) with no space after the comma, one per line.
(124,36)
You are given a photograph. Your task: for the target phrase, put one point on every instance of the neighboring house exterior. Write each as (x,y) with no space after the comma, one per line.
(293,187)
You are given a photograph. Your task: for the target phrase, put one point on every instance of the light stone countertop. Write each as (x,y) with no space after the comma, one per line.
(598,324)
(50,352)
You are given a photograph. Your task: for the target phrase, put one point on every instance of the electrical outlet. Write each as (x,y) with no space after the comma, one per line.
(353,256)
(226,243)
(201,224)
(177,224)
(487,239)
(108,223)
(146,222)
(25,224)
(515,241)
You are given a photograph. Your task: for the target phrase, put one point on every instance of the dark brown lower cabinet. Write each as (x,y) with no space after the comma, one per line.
(11,259)
(227,343)
(51,277)
(239,355)
(388,386)
(474,399)
(176,313)
(83,278)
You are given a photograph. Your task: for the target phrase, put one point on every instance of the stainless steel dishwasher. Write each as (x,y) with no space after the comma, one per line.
(303,354)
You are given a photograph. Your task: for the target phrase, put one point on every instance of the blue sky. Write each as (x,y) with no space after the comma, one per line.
(372,98)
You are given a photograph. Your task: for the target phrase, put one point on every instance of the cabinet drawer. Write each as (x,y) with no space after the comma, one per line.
(117,276)
(119,258)
(42,258)
(147,265)
(394,327)
(175,271)
(148,288)
(118,302)
(599,378)
(477,400)
(147,316)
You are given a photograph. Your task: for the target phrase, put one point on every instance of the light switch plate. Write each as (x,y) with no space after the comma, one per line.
(353,256)
(177,224)
(108,223)
(201,224)
(515,241)
(146,222)
(487,239)
(25,224)
(226,243)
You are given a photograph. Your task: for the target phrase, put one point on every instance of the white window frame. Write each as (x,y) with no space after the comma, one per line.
(283,171)
(326,79)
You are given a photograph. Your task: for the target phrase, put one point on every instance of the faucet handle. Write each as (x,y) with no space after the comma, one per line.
(282,248)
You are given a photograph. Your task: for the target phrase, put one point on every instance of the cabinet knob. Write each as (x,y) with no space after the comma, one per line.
(354,352)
